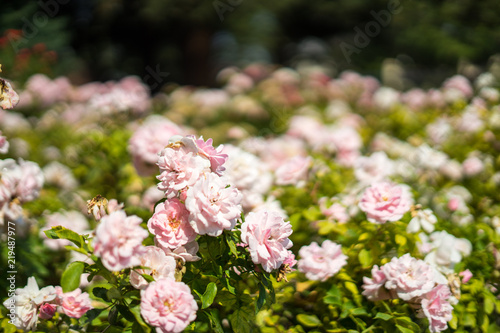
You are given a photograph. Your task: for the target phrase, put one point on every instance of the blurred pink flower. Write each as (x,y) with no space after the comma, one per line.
(409,277)
(472,166)
(160,266)
(168,305)
(266,234)
(374,168)
(118,241)
(4,144)
(212,205)
(436,308)
(185,252)
(458,85)
(74,303)
(294,171)
(170,226)
(466,275)
(71,220)
(149,139)
(336,212)
(48,91)
(321,263)
(30,181)
(384,201)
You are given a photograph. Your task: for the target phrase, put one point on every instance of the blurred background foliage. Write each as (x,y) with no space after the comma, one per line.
(192,40)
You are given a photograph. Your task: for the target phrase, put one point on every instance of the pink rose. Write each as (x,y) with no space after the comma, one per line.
(180,168)
(294,171)
(31,181)
(374,168)
(160,266)
(170,226)
(374,288)
(320,263)
(466,275)
(437,308)
(212,205)
(150,138)
(74,303)
(409,277)
(214,155)
(472,166)
(118,241)
(47,311)
(385,201)
(168,305)
(266,234)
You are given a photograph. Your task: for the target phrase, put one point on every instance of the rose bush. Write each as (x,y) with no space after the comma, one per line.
(335,205)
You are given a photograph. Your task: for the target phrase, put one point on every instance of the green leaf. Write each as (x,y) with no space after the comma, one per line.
(125,312)
(351,287)
(213,317)
(262,297)
(208,297)
(101,292)
(308,320)
(60,232)
(383,316)
(365,258)
(333,296)
(404,329)
(136,311)
(241,320)
(92,314)
(70,279)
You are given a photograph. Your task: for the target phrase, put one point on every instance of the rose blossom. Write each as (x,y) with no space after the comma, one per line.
(266,234)
(169,224)
(374,168)
(385,201)
(31,181)
(47,311)
(466,275)
(320,263)
(436,308)
(180,166)
(293,171)
(472,166)
(447,250)
(336,212)
(27,300)
(118,240)
(409,277)
(374,288)
(168,305)
(74,303)
(160,266)
(185,253)
(214,155)
(212,205)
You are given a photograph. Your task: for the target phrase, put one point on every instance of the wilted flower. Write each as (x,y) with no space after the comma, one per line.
(168,305)
(321,262)
(266,234)
(97,207)
(8,97)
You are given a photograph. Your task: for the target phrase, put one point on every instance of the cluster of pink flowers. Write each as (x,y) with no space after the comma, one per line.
(416,282)
(31,303)
(321,262)
(385,201)
(191,170)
